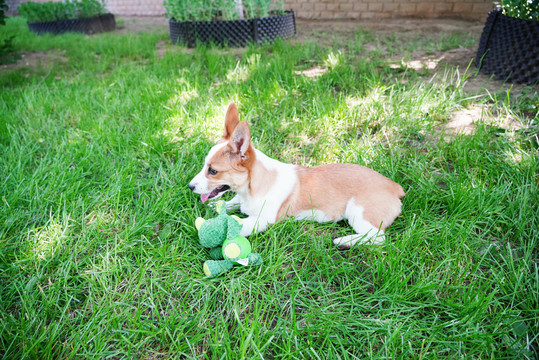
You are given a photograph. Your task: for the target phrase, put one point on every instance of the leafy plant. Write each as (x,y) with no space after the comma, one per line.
(89,8)
(208,10)
(68,9)
(257,8)
(3,9)
(6,44)
(522,9)
(37,12)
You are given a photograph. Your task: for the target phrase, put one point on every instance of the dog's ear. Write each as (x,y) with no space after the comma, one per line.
(241,140)
(232,119)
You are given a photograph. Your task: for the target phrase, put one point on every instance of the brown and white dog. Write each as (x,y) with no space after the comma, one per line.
(268,190)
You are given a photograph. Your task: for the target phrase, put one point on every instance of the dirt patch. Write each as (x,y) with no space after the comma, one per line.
(466,121)
(461,58)
(35,59)
(463,121)
(313,72)
(405,27)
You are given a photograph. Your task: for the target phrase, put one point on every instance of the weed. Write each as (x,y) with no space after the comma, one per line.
(208,10)
(68,9)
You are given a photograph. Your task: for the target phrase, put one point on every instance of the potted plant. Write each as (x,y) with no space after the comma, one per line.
(228,22)
(84,16)
(509,45)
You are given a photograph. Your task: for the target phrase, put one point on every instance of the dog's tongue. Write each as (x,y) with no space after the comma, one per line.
(205,197)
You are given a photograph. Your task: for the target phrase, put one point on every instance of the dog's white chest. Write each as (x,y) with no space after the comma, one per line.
(268,204)
(251,206)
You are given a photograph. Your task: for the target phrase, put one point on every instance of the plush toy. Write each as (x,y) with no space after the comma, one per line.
(227,247)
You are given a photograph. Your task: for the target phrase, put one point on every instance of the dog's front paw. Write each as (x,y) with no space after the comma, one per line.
(233,204)
(248,227)
(252,225)
(346,242)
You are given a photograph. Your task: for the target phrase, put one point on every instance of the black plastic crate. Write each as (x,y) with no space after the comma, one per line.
(509,48)
(235,33)
(96,24)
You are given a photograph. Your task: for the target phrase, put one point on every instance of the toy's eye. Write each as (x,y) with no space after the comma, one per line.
(212,171)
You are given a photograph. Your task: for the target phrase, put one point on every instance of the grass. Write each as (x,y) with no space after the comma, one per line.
(98,250)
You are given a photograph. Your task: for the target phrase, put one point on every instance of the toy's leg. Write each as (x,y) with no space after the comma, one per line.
(213,268)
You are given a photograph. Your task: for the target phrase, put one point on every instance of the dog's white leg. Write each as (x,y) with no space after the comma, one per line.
(253,225)
(365,232)
(233,203)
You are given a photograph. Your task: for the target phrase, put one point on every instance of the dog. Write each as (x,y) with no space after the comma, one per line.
(268,191)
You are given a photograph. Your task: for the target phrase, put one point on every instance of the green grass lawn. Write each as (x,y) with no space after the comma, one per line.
(99,256)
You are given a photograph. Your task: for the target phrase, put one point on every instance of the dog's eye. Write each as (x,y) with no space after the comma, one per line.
(212,171)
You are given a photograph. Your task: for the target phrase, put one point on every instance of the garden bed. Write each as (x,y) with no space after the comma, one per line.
(235,33)
(90,25)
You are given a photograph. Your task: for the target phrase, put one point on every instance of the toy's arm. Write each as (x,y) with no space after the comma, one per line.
(234,225)
(198,223)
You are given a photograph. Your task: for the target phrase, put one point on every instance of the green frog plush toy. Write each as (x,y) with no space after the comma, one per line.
(227,247)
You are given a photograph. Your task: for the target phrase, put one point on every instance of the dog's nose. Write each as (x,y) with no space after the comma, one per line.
(192,187)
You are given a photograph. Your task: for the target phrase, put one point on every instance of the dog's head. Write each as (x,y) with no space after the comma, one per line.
(227,165)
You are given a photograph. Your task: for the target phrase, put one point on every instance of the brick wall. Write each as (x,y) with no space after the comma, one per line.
(383,9)
(337,9)
(136,7)
(118,7)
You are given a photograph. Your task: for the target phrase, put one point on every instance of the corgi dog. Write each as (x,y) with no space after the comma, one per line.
(268,191)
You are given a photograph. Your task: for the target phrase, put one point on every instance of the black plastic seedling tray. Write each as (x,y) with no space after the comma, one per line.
(89,25)
(234,33)
(509,48)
